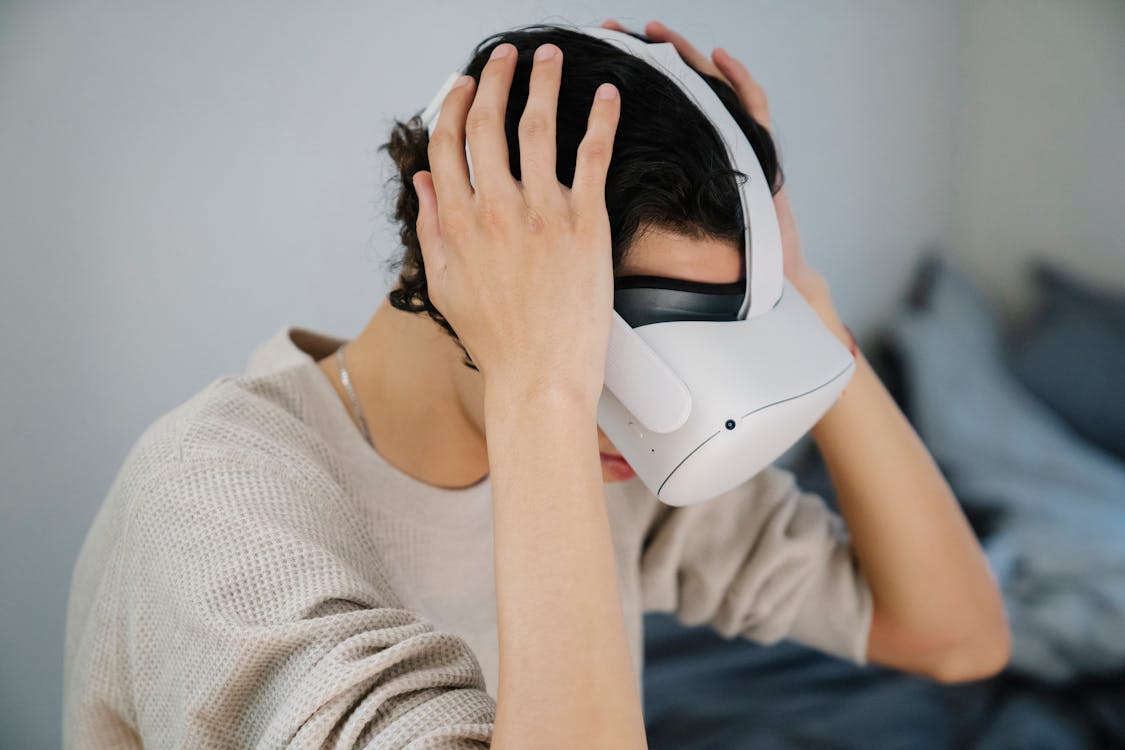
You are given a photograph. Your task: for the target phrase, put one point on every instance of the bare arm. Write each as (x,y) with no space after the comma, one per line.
(938,610)
(566,679)
(524,274)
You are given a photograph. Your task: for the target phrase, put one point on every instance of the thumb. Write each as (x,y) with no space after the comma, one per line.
(429,231)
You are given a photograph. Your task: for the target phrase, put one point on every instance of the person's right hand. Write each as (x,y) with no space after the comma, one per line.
(521,270)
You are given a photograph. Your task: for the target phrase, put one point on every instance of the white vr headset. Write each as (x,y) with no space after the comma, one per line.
(707,384)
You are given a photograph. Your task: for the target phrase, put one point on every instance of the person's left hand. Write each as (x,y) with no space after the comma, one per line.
(810,283)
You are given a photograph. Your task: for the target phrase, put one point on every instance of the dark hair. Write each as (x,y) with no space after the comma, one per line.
(669,168)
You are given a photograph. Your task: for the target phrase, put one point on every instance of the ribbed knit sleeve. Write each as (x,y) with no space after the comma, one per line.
(255,613)
(766,561)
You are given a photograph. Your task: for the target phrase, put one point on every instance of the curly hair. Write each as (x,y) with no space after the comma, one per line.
(669,168)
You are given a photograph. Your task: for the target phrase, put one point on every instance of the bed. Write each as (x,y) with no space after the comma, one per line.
(1027,422)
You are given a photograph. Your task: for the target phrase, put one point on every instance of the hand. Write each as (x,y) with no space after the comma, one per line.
(804,277)
(522,270)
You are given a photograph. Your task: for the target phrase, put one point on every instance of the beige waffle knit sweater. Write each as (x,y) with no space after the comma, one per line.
(257,576)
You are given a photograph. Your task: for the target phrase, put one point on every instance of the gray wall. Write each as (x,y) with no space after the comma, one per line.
(1041,169)
(178,183)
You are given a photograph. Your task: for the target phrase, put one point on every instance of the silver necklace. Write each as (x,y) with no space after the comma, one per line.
(347,381)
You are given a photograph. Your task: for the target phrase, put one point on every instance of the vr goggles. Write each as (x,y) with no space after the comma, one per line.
(707,384)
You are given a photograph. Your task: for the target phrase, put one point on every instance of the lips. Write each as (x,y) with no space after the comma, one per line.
(617,466)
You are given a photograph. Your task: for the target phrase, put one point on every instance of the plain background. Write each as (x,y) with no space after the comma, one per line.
(179,181)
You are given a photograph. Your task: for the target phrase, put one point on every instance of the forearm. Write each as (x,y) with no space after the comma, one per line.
(566,678)
(935,597)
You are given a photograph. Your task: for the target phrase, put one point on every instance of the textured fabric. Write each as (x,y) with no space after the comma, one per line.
(259,577)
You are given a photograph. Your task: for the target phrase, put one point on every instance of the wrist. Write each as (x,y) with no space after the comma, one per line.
(539,396)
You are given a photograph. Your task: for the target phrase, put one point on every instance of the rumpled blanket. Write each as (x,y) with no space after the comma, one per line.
(1048,508)
(1057,547)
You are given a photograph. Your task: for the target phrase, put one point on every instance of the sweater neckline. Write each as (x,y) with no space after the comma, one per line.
(408,496)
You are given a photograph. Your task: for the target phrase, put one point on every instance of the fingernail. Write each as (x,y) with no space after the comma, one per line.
(462,81)
(545,52)
(607,91)
(501,50)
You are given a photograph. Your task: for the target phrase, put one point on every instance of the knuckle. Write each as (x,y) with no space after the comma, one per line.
(441,139)
(537,222)
(582,219)
(491,213)
(479,119)
(534,125)
(595,150)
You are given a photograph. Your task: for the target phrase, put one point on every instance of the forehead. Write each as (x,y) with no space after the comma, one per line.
(658,252)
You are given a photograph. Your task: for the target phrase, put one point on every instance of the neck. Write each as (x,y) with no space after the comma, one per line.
(424,409)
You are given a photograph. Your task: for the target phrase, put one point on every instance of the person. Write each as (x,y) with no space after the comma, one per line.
(420,537)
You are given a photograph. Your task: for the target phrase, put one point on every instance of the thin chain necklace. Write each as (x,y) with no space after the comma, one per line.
(347,381)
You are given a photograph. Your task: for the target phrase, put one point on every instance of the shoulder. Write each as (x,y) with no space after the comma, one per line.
(235,423)
(240,454)
(261,419)
(232,502)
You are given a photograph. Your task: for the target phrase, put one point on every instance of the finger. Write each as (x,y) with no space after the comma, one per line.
(449,170)
(427,226)
(484,124)
(750,93)
(537,126)
(429,233)
(611,23)
(595,152)
(660,33)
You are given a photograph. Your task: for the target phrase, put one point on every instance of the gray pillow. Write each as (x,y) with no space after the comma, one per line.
(1072,355)
(1057,550)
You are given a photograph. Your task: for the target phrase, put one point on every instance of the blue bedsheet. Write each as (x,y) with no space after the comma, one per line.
(706,693)
(1050,512)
